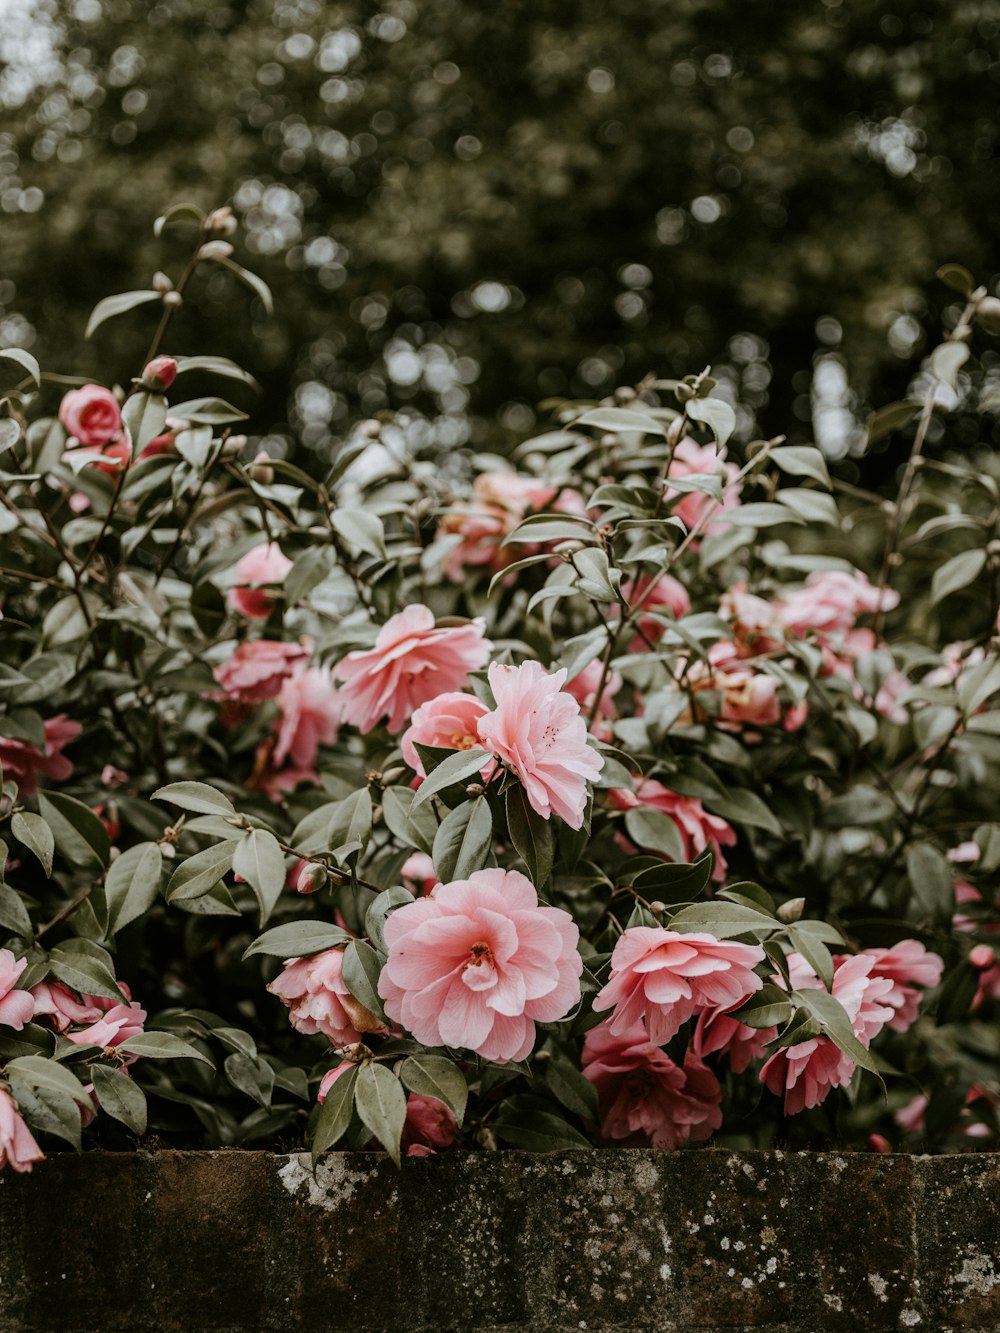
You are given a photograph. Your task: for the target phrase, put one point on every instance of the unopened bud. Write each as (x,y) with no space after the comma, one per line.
(172,300)
(657,908)
(475,789)
(685,392)
(879,1143)
(234,446)
(487,1139)
(981,956)
(675,430)
(310,878)
(161,283)
(215,250)
(160,373)
(260,470)
(221,222)
(791,911)
(371,428)
(988,313)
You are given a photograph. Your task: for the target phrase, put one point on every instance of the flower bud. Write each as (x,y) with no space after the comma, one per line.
(215,250)
(988,313)
(221,222)
(234,446)
(791,911)
(260,470)
(371,428)
(310,878)
(172,300)
(160,373)
(879,1143)
(981,956)
(161,283)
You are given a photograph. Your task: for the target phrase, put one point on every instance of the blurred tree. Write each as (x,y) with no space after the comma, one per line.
(469,208)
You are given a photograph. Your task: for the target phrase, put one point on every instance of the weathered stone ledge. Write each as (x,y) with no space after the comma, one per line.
(614,1240)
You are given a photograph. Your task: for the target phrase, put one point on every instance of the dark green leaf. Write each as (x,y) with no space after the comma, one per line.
(464,840)
(381,1104)
(437,1076)
(298,939)
(120,1097)
(36,835)
(532,836)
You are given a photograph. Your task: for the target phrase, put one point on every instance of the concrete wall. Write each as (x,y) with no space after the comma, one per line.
(614,1240)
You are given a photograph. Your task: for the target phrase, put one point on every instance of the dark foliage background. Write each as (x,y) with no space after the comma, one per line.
(469,209)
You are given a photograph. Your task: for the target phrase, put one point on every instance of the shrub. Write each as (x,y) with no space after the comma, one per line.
(595,798)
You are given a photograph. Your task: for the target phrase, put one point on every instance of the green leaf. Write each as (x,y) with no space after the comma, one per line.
(957,994)
(145,414)
(256,285)
(437,1076)
(36,835)
(23,359)
(461,767)
(46,1109)
(539,1131)
(216,365)
(380,910)
(931,879)
(85,967)
(744,807)
(891,418)
(801,460)
(654,831)
(79,835)
(595,577)
(532,836)
(957,277)
(207,412)
(199,873)
(351,820)
(381,1104)
(44,1073)
(163,1046)
(196,796)
(416,827)
(361,530)
(117,305)
(361,971)
(569,1087)
(956,573)
(832,1018)
(13,913)
(120,1097)
(261,862)
(766,1008)
(10,434)
(298,939)
(718,416)
(308,572)
(723,920)
(814,951)
(132,884)
(464,840)
(189,212)
(334,1116)
(621,419)
(250,1075)
(763,515)
(813,506)
(947,360)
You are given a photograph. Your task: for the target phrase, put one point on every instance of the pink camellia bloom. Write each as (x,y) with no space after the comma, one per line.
(907,965)
(24,764)
(807,1072)
(257,670)
(718,1031)
(662,977)
(698,829)
(538,731)
(56,1002)
(448,722)
(830,603)
(18,1148)
(418,873)
(643,1096)
(756,622)
(17,1007)
(911,1116)
(748,697)
(477,964)
(310,716)
(655,595)
(691,459)
(411,663)
(314,991)
(499,501)
(262,565)
(584,686)
(159,444)
(116,1025)
(160,373)
(429,1126)
(91,415)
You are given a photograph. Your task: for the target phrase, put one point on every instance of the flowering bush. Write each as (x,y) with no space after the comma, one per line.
(594,796)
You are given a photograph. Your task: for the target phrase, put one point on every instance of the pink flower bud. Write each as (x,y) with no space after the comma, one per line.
(879,1143)
(160,373)
(981,956)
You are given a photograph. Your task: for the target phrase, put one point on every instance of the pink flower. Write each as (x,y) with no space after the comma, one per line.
(310,716)
(499,501)
(91,415)
(911,1116)
(691,459)
(537,730)
(119,1023)
(479,963)
(907,965)
(448,722)
(257,670)
(643,1096)
(17,1143)
(807,1072)
(24,764)
(314,991)
(53,1000)
(655,595)
(159,444)
(429,1125)
(305,877)
(160,373)
(717,1030)
(262,565)
(830,602)
(17,1007)
(756,622)
(698,829)
(748,696)
(411,663)
(584,686)
(418,873)
(663,977)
